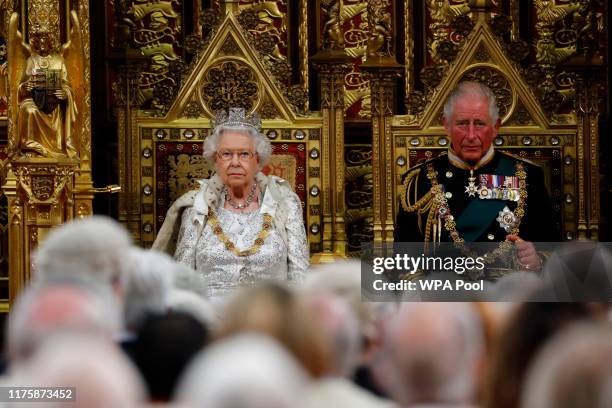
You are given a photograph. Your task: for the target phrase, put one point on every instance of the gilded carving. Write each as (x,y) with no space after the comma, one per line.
(230,84)
(332,85)
(267,24)
(548,15)
(193,110)
(495,80)
(381,30)
(442,14)
(44,16)
(83,210)
(183,172)
(154,27)
(43,184)
(415,102)
(333,38)
(359,187)
(230,47)
(48,92)
(268,110)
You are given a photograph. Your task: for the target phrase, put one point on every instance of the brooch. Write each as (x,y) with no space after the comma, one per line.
(506,219)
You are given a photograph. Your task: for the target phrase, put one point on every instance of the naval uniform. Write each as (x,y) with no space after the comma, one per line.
(480,204)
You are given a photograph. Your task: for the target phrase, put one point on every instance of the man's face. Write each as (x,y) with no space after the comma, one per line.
(470,128)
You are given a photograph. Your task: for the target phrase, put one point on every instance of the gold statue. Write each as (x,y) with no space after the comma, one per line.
(379,19)
(47,90)
(332,28)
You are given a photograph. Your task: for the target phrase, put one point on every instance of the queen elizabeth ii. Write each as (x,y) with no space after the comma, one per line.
(240,226)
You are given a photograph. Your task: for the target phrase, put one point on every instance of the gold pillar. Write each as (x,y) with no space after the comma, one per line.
(40,195)
(382,84)
(383,70)
(332,64)
(129,142)
(587,101)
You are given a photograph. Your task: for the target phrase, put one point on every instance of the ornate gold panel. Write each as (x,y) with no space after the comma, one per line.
(161,157)
(528,129)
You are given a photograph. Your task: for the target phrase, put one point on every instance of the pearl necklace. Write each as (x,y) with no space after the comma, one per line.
(240,206)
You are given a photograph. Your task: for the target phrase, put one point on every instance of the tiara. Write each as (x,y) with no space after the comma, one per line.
(236,117)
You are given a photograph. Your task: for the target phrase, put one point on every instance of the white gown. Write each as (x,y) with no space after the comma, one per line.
(223,270)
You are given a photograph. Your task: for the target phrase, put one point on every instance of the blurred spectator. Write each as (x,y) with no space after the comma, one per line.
(274,310)
(101,376)
(197,307)
(42,311)
(247,371)
(341,330)
(432,352)
(91,250)
(343,278)
(147,286)
(531,326)
(164,347)
(573,370)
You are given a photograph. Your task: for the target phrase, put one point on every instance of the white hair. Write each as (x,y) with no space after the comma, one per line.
(99,372)
(263,147)
(147,287)
(246,371)
(90,249)
(41,311)
(471,89)
(572,370)
(343,278)
(341,329)
(180,300)
(432,351)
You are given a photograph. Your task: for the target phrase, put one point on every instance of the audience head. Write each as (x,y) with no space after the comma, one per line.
(41,311)
(147,286)
(92,249)
(520,339)
(343,278)
(432,353)
(164,347)
(573,370)
(340,327)
(247,371)
(99,372)
(276,311)
(196,306)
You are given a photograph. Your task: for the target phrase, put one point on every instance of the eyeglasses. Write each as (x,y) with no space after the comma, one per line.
(243,155)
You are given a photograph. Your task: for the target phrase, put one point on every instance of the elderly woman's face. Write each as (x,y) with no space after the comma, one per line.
(236,160)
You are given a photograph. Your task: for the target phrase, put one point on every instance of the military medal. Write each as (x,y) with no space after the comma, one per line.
(498,187)
(471,188)
(506,219)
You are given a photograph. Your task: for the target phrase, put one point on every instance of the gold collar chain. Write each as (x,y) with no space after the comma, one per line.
(442,209)
(229,245)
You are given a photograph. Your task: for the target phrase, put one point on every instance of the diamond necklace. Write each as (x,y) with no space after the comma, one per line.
(240,206)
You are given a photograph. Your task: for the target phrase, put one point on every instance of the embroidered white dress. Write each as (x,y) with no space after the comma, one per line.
(222,269)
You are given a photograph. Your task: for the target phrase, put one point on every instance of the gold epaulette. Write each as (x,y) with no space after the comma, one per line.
(417,203)
(410,179)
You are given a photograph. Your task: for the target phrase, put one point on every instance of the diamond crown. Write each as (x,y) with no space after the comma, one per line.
(237,117)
